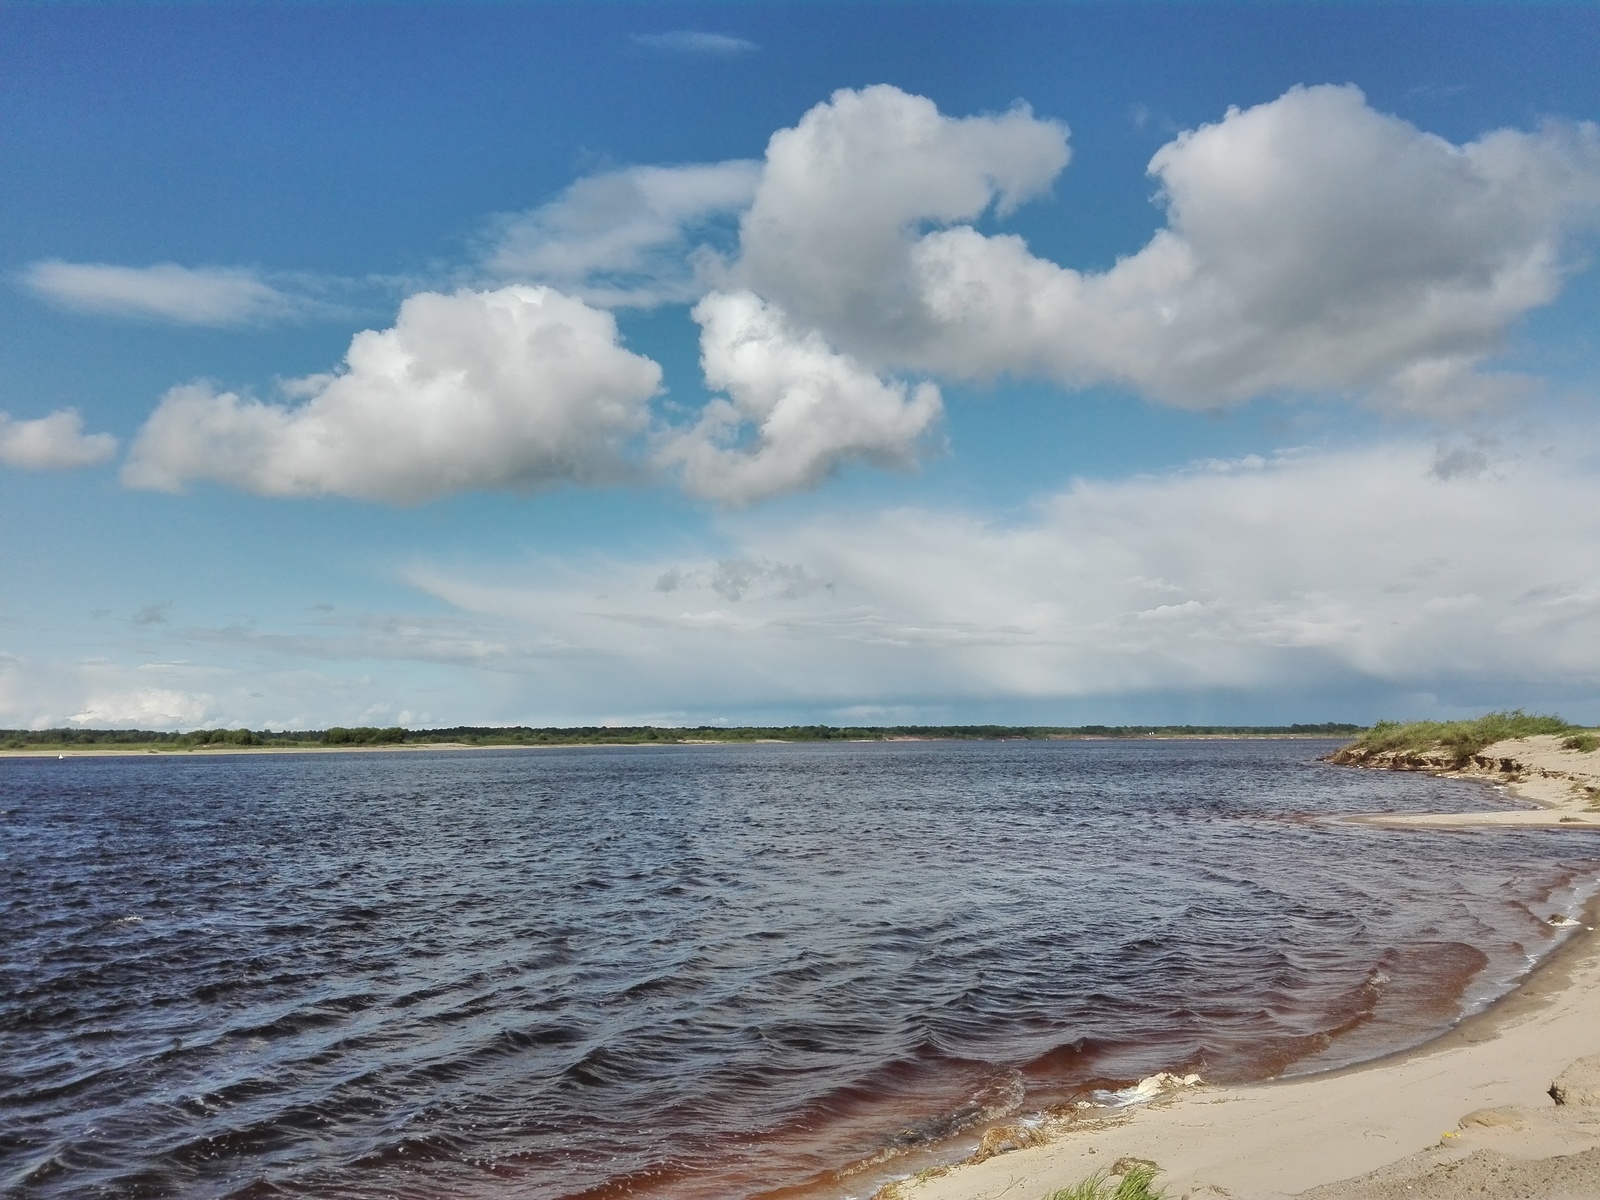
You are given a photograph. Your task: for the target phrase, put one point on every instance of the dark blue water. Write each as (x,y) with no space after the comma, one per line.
(698,971)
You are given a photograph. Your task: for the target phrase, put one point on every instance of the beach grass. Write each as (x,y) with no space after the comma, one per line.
(1584,741)
(1460,739)
(1137,1184)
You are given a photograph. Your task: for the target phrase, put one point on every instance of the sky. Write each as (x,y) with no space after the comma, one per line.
(526,363)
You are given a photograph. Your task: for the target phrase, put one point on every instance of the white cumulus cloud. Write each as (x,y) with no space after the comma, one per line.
(518,388)
(53,442)
(217,296)
(1312,244)
(795,410)
(846,194)
(623,237)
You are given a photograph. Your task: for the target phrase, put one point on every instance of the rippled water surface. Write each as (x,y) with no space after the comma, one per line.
(698,971)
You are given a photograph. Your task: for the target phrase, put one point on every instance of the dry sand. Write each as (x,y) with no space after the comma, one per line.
(1470,1114)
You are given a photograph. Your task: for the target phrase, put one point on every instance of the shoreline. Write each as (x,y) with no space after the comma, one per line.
(1475,1098)
(1469,1111)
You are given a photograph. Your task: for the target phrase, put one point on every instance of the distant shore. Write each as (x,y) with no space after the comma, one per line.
(1471,1112)
(218,749)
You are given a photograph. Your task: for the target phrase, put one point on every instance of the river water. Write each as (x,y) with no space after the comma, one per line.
(703,973)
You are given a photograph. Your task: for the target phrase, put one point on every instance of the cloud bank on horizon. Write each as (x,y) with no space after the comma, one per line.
(1313,246)
(1371,570)
(1252,575)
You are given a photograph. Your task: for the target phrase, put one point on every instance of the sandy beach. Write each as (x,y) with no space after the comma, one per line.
(1564,785)
(1506,1104)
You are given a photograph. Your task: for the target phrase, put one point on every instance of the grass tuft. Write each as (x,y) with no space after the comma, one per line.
(1137,1184)
(1460,739)
(1585,742)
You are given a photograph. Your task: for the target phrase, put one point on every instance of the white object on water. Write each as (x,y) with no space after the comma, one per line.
(1145,1090)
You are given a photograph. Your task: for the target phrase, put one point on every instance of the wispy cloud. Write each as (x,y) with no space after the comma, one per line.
(694,41)
(635,237)
(453,641)
(211,296)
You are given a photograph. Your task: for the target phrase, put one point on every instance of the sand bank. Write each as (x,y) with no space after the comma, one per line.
(1470,1113)
(1563,784)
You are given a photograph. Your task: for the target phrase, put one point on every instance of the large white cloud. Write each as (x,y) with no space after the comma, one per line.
(166,291)
(845,195)
(622,238)
(1377,571)
(1312,244)
(519,388)
(53,442)
(796,411)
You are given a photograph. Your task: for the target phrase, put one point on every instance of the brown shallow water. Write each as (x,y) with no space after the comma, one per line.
(701,971)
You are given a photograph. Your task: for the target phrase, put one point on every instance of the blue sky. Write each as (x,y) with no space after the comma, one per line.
(438,364)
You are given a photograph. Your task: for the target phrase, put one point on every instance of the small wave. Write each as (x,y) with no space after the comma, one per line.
(704,976)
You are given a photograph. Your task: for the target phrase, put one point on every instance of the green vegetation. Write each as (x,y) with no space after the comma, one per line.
(1460,739)
(1581,741)
(144,739)
(587,735)
(363,735)
(1137,1184)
